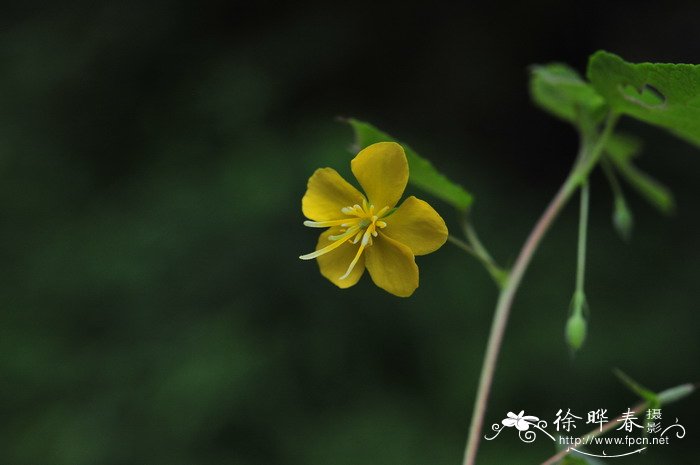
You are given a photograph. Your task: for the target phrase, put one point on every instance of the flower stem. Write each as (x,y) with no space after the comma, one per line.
(498,274)
(475,248)
(462,245)
(577,176)
(500,318)
(582,233)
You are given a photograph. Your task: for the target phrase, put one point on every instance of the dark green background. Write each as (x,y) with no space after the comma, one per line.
(152,160)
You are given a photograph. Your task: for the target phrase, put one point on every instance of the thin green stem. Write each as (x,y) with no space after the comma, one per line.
(498,274)
(505,300)
(462,245)
(589,161)
(582,233)
(615,186)
(473,238)
(475,248)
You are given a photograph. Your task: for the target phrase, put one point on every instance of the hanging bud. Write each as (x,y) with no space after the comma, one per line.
(576,326)
(576,331)
(622,218)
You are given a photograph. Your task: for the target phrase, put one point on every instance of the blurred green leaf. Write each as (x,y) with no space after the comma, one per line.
(423,174)
(621,149)
(635,387)
(675,394)
(666,95)
(571,460)
(559,89)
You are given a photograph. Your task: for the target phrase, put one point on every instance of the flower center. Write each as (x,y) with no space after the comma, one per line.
(361,224)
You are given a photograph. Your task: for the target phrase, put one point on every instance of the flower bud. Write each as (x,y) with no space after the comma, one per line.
(576,331)
(576,326)
(622,218)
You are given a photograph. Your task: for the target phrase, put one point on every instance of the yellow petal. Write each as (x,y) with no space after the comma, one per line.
(326,194)
(392,266)
(382,170)
(335,264)
(416,224)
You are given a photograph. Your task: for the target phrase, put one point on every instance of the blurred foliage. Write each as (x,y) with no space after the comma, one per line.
(152,159)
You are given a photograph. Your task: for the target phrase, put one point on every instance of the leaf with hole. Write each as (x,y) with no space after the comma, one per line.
(422,173)
(663,94)
(559,89)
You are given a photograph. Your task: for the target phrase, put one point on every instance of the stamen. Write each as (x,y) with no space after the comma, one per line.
(357,237)
(363,244)
(349,232)
(382,211)
(362,227)
(324,224)
(350,222)
(341,239)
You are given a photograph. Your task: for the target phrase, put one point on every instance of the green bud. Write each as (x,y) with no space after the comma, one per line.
(576,326)
(576,331)
(622,218)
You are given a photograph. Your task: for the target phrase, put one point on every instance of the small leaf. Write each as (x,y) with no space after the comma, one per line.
(663,94)
(422,173)
(635,387)
(621,149)
(571,460)
(579,460)
(675,394)
(653,191)
(559,89)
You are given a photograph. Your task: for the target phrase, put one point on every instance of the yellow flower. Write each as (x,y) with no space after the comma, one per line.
(368,232)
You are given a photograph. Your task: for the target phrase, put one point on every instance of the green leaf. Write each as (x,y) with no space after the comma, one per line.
(422,173)
(571,460)
(662,94)
(559,89)
(579,460)
(635,387)
(675,394)
(621,149)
